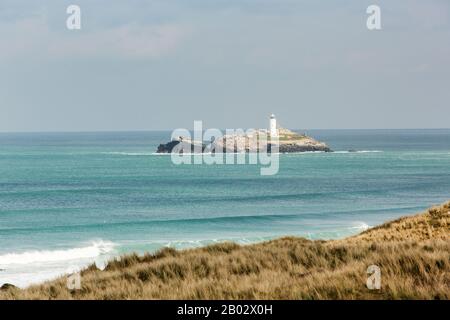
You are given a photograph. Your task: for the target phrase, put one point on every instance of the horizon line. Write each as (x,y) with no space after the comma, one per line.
(168,130)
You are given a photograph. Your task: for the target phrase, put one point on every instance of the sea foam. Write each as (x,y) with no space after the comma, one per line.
(96,249)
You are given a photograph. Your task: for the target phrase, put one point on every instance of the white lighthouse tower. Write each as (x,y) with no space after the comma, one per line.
(273,126)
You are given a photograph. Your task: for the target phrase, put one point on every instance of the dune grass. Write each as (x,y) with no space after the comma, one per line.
(413,254)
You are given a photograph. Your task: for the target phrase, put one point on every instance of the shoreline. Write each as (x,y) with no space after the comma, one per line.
(393,234)
(181,245)
(338,234)
(177,245)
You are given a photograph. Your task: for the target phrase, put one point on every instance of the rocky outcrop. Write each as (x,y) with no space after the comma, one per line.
(182,145)
(292,147)
(7,286)
(167,147)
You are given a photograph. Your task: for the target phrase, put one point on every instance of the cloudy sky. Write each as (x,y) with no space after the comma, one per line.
(161,64)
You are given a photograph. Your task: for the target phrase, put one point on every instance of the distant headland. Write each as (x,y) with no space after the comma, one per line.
(276,138)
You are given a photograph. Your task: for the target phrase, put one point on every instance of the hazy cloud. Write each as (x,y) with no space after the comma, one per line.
(32,37)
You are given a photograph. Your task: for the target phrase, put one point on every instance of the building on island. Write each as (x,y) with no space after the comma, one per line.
(273,126)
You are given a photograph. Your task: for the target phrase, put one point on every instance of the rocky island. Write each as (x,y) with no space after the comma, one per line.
(277,138)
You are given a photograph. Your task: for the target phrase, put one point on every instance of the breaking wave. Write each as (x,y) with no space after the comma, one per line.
(96,249)
(360,226)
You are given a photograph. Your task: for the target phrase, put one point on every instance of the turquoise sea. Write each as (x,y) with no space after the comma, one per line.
(69,199)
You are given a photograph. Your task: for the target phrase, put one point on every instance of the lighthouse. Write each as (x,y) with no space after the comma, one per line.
(273,126)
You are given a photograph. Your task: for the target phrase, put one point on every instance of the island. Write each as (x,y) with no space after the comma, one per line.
(276,138)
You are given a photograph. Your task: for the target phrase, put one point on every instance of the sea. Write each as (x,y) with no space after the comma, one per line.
(68,200)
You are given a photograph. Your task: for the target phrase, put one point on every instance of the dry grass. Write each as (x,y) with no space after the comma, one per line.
(412,252)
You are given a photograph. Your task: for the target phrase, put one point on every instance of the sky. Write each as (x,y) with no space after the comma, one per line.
(161,64)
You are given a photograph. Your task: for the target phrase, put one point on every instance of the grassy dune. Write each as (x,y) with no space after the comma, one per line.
(412,252)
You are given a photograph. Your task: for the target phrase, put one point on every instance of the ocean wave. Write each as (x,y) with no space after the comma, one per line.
(204,242)
(234,218)
(360,226)
(234,153)
(130,153)
(359,151)
(94,250)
